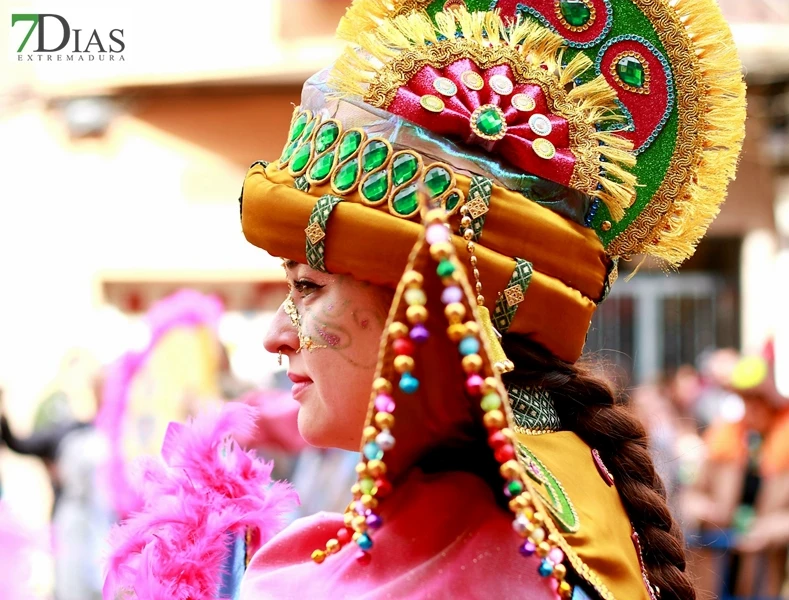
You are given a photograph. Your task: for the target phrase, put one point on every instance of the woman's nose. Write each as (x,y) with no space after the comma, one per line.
(282,335)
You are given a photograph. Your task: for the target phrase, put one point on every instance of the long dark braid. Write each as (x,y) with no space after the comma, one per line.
(588,406)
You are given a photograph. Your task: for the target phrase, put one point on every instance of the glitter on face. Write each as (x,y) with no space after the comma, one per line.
(330,338)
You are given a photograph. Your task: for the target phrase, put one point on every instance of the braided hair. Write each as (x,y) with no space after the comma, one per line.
(589,407)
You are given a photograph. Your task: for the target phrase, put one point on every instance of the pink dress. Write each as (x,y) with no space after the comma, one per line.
(445,538)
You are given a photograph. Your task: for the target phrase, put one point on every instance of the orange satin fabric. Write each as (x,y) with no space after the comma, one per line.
(568,260)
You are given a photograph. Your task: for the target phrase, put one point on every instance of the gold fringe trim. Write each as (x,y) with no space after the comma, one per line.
(386,51)
(720,132)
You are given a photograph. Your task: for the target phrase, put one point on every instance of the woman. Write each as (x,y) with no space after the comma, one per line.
(491,172)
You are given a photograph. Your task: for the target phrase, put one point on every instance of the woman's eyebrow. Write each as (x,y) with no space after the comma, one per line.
(289,265)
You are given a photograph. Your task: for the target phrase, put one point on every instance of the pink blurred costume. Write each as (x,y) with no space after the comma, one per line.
(444,537)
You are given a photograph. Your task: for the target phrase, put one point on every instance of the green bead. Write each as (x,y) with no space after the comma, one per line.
(298,126)
(350,143)
(445,268)
(489,121)
(437,181)
(326,136)
(404,168)
(575,12)
(346,176)
(366,485)
(406,201)
(515,488)
(490,402)
(288,152)
(301,158)
(631,71)
(452,201)
(375,187)
(374,155)
(322,167)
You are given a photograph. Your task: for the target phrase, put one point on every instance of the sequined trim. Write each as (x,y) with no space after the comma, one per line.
(318,222)
(551,491)
(506,305)
(533,410)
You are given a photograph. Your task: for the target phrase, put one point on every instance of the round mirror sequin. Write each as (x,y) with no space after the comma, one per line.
(543,148)
(432,103)
(445,86)
(501,85)
(540,124)
(523,103)
(472,80)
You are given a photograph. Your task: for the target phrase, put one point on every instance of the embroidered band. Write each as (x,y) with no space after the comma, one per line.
(316,230)
(513,295)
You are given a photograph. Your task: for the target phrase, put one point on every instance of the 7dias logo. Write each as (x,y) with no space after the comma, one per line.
(56,40)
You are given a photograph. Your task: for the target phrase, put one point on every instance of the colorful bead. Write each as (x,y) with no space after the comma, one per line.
(419,334)
(513,488)
(474,385)
(457,332)
(416,314)
(372,451)
(343,535)
(538,535)
(318,556)
(505,453)
(521,526)
(364,558)
(494,420)
(497,439)
(374,521)
(377,468)
(365,542)
(472,363)
(491,402)
(385,441)
(451,294)
(367,484)
(527,549)
(403,346)
(415,296)
(403,363)
(408,384)
(445,268)
(332,546)
(436,234)
(469,345)
(556,556)
(382,488)
(384,403)
(546,568)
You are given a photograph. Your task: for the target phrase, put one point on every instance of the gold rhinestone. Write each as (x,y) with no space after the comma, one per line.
(523,103)
(315,233)
(477,208)
(501,85)
(544,148)
(445,86)
(514,295)
(606,225)
(432,103)
(472,80)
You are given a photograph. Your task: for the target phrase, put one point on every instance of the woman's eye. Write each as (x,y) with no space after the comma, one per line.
(305,287)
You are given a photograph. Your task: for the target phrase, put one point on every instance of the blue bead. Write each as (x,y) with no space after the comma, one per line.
(365,542)
(408,383)
(546,568)
(469,345)
(372,451)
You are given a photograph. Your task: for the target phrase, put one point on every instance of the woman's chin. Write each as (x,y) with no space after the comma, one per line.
(320,434)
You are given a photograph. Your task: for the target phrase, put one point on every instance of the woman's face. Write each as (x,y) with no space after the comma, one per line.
(330,328)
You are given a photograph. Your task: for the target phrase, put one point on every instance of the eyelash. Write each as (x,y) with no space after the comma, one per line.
(306,287)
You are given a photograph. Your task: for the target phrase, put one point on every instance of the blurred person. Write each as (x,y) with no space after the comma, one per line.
(716,398)
(743,487)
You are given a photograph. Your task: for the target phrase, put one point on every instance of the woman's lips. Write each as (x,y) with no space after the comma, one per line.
(300,383)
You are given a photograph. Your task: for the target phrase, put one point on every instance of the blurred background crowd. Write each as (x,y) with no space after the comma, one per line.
(130,298)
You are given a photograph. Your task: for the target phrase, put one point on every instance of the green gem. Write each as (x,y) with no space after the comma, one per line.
(452,201)
(301,158)
(346,176)
(322,167)
(406,200)
(515,488)
(298,126)
(375,187)
(404,168)
(575,12)
(366,485)
(445,268)
(308,129)
(288,151)
(374,155)
(327,135)
(489,121)
(350,143)
(490,402)
(631,71)
(437,181)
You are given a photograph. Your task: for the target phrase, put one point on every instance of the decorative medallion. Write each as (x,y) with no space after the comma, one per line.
(514,295)
(315,233)
(631,70)
(445,86)
(523,102)
(543,148)
(540,124)
(477,208)
(501,85)
(432,103)
(472,80)
(488,122)
(576,15)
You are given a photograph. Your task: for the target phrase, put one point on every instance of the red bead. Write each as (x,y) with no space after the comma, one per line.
(505,453)
(497,440)
(344,535)
(384,488)
(474,385)
(364,558)
(403,346)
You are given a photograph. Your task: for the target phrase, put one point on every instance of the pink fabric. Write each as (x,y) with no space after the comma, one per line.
(446,538)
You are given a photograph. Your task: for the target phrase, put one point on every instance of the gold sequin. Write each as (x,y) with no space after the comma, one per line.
(544,148)
(432,103)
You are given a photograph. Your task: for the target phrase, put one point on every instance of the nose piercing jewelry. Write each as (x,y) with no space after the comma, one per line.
(279,358)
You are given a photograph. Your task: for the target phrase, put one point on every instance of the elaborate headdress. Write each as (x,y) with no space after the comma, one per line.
(554,136)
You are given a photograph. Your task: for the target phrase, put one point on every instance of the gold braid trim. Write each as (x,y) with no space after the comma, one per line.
(384,59)
(711,107)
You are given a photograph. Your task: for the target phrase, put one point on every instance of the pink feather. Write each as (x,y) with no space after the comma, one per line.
(17,546)
(206,489)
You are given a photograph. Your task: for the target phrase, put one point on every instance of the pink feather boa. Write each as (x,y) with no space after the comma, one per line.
(207,488)
(17,546)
